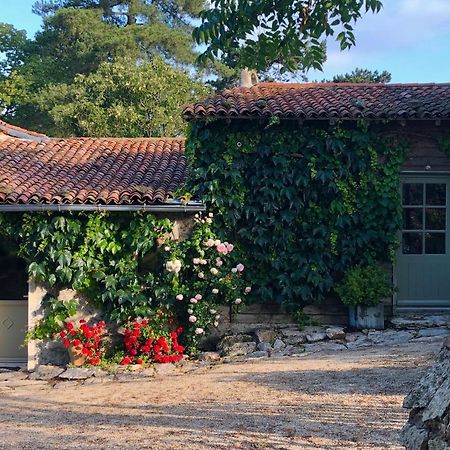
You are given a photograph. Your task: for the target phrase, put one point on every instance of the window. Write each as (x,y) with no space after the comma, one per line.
(424,218)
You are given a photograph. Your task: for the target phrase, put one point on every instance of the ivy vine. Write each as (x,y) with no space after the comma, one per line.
(304,203)
(129,267)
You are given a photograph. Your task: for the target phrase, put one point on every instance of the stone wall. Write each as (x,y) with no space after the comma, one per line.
(428,426)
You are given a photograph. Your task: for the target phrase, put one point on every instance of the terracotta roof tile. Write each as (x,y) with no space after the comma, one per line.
(327,101)
(90,170)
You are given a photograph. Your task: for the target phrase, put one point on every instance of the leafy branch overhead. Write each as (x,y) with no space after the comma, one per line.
(258,33)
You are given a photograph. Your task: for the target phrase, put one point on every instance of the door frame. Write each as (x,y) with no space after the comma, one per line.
(395,306)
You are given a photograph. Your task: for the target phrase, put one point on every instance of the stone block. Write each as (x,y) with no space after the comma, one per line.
(209,356)
(432,332)
(46,372)
(240,349)
(268,336)
(278,345)
(335,333)
(75,373)
(316,337)
(264,347)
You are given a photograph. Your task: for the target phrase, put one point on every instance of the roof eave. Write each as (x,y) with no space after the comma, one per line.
(169,207)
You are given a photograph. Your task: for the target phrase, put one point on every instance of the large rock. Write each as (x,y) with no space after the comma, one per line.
(335,333)
(239,349)
(46,372)
(228,341)
(268,336)
(293,336)
(264,347)
(278,345)
(209,356)
(390,337)
(432,332)
(428,424)
(52,352)
(316,337)
(75,373)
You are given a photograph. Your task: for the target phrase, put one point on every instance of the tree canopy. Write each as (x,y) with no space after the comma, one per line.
(364,76)
(258,33)
(80,36)
(122,99)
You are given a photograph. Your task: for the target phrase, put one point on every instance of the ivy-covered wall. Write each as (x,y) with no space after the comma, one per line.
(304,202)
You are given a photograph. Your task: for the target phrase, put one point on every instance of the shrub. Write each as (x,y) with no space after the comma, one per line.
(364,285)
(148,341)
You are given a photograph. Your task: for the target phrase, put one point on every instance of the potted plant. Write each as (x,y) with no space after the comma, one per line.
(83,342)
(362,289)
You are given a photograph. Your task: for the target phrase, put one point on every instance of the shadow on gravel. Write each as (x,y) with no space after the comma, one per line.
(365,381)
(263,424)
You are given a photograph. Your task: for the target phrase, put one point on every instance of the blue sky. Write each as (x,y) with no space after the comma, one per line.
(409,38)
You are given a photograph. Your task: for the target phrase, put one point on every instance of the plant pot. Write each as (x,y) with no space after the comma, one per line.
(363,317)
(77,357)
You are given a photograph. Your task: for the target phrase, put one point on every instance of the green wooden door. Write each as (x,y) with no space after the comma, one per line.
(423,261)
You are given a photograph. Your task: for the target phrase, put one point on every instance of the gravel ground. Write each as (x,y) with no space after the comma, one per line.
(341,400)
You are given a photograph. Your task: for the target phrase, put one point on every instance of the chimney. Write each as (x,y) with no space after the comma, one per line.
(248,78)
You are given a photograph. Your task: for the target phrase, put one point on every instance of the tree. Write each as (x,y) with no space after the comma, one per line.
(77,38)
(258,33)
(363,76)
(122,99)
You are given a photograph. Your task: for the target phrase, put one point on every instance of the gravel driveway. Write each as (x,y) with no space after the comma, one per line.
(342,400)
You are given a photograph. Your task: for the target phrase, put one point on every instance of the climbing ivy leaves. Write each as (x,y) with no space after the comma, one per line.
(96,254)
(303,203)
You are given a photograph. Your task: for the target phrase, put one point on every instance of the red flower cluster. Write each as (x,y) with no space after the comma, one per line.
(142,344)
(86,338)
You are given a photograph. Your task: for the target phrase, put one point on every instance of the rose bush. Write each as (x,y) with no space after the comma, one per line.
(152,340)
(209,275)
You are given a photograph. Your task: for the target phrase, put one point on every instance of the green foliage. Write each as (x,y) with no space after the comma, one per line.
(127,265)
(95,254)
(303,204)
(364,285)
(67,61)
(256,34)
(363,76)
(117,98)
(210,275)
(56,312)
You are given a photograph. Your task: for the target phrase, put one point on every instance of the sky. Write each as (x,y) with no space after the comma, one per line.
(409,38)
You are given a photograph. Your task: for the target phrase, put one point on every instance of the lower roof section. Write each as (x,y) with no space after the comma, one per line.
(91,173)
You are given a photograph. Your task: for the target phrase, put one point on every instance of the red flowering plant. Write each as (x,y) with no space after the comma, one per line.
(85,338)
(152,340)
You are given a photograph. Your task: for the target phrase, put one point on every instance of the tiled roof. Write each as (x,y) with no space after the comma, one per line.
(7,130)
(90,170)
(327,101)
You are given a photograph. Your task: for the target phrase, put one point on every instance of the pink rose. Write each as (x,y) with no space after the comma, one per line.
(221,248)
(240,267)
(230,247)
